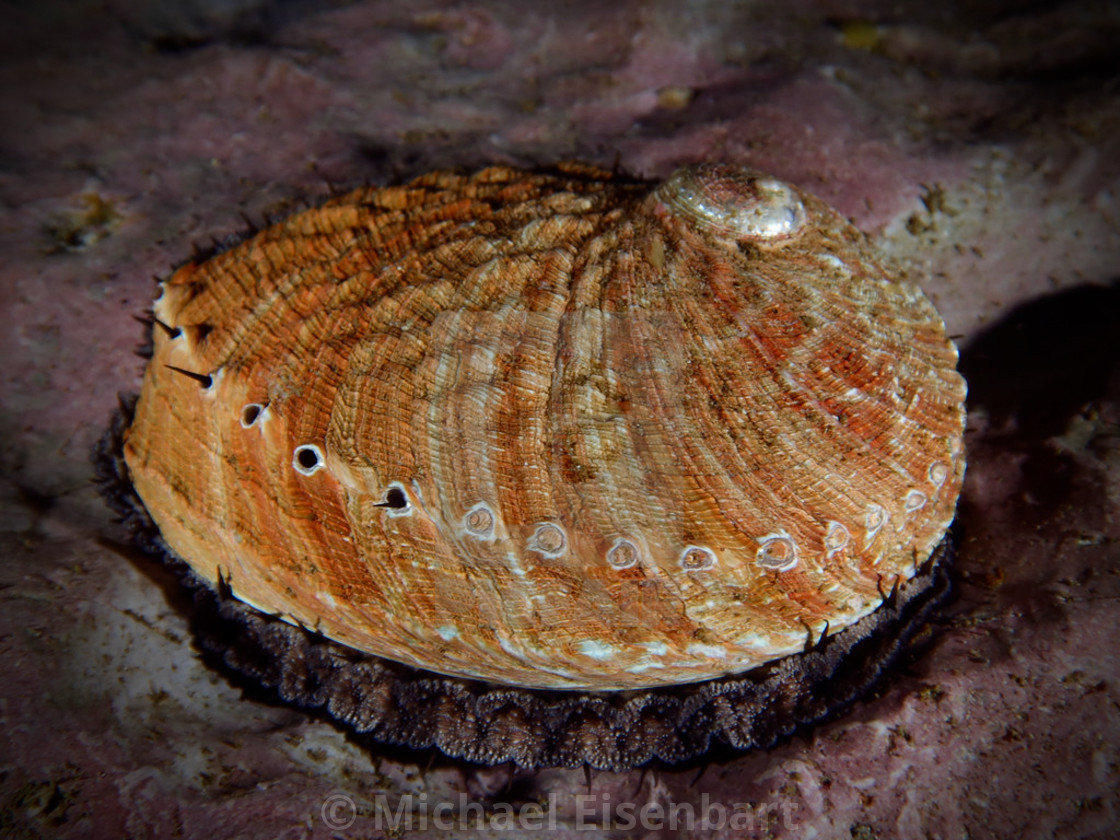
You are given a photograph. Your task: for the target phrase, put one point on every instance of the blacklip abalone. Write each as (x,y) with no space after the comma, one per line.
(553,467)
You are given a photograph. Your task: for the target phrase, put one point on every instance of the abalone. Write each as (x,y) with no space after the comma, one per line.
(563,431)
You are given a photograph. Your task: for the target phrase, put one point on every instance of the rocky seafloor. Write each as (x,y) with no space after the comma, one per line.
(977,143)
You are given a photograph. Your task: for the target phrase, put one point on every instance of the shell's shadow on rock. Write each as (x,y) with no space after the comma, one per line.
(1044,391)
(1039,366)
(1036,379)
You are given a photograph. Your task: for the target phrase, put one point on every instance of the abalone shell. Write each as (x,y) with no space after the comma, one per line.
(561,430)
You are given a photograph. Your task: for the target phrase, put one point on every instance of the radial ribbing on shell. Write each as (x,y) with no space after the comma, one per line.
(554,429)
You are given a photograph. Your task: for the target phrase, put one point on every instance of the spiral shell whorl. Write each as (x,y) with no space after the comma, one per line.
(734,201)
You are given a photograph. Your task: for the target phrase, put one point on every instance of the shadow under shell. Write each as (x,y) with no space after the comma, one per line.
(492,724)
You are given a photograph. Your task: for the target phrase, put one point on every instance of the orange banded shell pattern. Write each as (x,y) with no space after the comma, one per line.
(557,429)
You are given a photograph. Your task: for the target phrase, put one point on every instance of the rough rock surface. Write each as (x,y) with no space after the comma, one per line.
(977,143)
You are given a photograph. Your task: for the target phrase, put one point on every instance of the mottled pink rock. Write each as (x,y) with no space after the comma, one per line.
(978,146)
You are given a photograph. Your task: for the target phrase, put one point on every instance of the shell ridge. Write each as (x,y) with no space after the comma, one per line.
(585,423)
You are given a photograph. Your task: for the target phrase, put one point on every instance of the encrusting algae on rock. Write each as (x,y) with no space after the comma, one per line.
(560,434)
